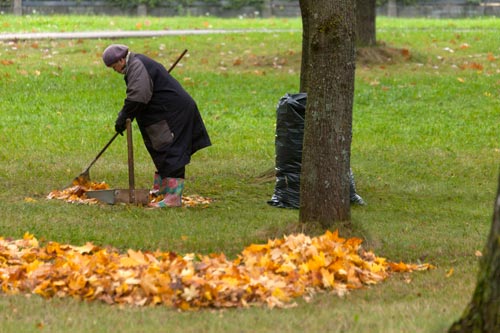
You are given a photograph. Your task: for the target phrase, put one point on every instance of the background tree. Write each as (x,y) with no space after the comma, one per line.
(365,23)
(327,75)
(17,7)
(483,312)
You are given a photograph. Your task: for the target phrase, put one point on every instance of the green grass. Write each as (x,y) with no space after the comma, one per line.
(424,154)
(58,23)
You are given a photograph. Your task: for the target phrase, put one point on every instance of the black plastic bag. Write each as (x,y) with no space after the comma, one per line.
(290,116)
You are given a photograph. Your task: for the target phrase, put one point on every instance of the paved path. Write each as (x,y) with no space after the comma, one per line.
(126,34)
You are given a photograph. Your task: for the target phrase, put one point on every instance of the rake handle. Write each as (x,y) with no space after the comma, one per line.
(130,149)
(101,152)
(177,61)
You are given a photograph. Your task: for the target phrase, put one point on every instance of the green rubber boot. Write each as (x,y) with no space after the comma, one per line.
(156,185)
(172,189)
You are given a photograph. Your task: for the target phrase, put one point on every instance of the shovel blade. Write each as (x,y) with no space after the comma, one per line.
(111,197)
(106,196)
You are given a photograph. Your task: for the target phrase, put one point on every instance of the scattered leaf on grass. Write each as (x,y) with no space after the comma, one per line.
(472,65)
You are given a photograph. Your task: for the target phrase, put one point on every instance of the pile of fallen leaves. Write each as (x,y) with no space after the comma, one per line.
(271,274)
(76,194)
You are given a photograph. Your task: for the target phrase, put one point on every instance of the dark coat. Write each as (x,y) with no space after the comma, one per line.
(167,116)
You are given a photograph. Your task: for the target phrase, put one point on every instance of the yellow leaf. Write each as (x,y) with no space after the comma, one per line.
(328,278)
(53,247)
(138,256)
(87,248)
(190,293)
(76,281)
(128,262)
(400,267)
(280,294)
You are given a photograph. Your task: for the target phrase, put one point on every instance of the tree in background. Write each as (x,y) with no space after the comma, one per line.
(483,312)
(327,75)
(365,22)
(17,7)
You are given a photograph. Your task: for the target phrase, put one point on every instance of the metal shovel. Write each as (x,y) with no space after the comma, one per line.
(130,195)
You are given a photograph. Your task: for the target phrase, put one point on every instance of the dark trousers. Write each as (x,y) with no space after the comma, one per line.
(179,173)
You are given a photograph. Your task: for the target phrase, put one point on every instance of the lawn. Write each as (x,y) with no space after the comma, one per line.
(424,154)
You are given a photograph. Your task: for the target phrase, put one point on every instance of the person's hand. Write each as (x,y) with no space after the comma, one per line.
(120,126)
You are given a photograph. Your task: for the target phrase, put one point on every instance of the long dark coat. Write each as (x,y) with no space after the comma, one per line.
(167,116)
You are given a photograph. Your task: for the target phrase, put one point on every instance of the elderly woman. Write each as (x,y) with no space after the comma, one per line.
(167,116)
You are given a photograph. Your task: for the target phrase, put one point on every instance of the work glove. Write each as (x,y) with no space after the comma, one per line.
(120,125)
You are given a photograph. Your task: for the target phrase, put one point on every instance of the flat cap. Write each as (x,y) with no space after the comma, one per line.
(113,53)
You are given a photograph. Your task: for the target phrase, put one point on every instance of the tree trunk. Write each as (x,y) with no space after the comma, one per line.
(142,9)
(17,7)
(305,65)
(392,8)
(327,75)
(365,22)
(483,312)
(267,10)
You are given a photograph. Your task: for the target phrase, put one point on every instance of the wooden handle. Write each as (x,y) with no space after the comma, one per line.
(177,61)
(131,180)
(101,152)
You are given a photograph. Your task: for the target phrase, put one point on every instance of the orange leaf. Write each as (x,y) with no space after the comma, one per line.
(406,53)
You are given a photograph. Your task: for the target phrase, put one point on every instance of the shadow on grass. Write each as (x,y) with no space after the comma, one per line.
(346,229)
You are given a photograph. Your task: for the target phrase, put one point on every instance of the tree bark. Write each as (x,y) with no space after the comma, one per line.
(483,312)
(142,9)
(327,75)
(17,7)
(267,10)
(365,22)
(305,47)
(392,8)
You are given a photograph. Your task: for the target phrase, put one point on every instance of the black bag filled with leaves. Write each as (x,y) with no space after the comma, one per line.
(290,116)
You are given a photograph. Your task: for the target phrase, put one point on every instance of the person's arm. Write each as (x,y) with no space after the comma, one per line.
(139,92)
(129,111)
